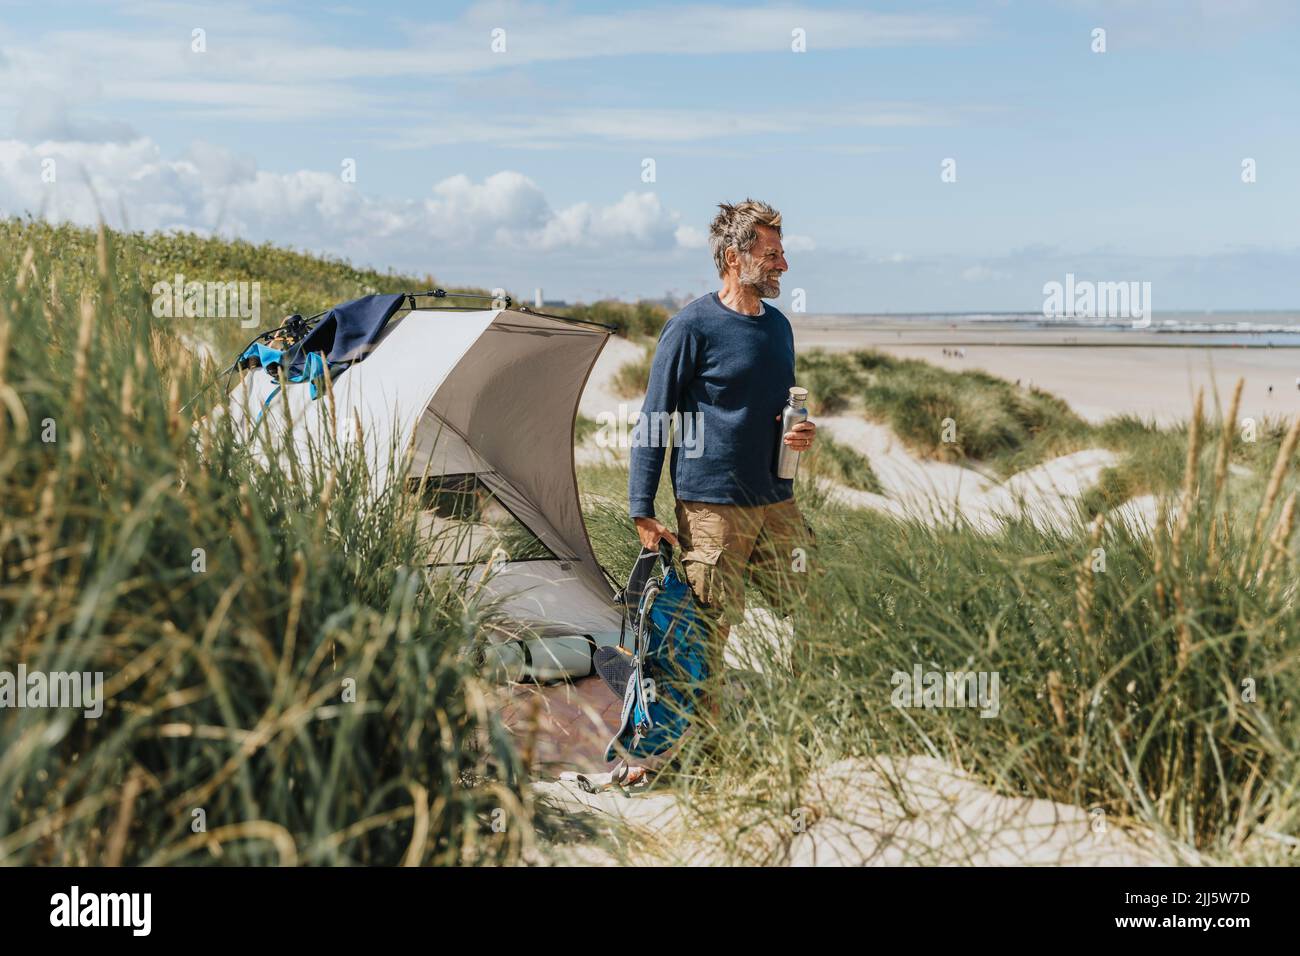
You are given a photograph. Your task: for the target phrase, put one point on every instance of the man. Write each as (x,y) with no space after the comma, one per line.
(725,363)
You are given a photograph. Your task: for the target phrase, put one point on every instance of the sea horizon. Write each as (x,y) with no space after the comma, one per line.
(1257,327)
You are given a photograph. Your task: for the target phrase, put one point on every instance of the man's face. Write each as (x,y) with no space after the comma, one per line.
(762,266)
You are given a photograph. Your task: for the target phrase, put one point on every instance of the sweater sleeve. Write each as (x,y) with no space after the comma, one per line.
(670,373)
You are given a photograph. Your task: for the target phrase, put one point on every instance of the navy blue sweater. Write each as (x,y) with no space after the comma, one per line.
(728,374)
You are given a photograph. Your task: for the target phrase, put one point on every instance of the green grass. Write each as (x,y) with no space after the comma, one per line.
(839,463)
(1122,689)
(1142,732)
(65,257)
(275,661)
(230,688)
(985,422)
(631,379)
(584,428)
(629,319)
(951,416)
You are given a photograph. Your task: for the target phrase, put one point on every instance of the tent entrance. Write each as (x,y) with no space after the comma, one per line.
(467,523)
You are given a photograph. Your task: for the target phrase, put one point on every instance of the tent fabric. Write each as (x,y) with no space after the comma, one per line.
(347,331)
(492,393)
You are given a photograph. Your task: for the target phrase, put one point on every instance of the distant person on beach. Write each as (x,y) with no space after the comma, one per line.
(725,365)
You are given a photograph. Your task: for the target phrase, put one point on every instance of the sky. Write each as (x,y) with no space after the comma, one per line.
(926,157)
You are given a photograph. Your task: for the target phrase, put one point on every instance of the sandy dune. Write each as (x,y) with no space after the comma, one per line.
(913,487)
(602,404)
(939,492)
(922,811)
(1098,373)
(891,811)
(599,397)
(888,811)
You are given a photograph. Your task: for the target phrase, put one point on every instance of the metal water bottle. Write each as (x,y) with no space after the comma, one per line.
(795,411)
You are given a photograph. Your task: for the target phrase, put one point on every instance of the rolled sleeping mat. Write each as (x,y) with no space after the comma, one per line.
(540,659)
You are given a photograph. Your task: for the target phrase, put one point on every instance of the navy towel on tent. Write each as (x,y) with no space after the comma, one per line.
(347,332)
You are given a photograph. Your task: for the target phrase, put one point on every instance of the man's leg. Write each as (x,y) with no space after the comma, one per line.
(717,542)
(781,564)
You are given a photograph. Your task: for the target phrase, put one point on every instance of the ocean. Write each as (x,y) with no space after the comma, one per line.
(1272,328)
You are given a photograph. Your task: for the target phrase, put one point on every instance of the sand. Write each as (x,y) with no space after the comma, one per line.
(599,397)
(603,405)
(886,811)
(1100,375)
(937,492)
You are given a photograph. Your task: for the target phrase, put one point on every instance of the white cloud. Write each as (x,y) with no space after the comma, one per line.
(798,243)
(213,190)
(637,219)
(505,200)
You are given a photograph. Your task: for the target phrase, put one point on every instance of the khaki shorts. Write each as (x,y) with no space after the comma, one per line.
(724,547)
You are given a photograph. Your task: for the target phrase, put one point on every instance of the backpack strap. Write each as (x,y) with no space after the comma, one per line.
(634,717)
(642,569)
(665,555)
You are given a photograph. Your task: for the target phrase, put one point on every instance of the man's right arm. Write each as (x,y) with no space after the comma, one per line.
(670,372)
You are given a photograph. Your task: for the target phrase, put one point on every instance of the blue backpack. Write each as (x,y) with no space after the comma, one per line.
(662,676)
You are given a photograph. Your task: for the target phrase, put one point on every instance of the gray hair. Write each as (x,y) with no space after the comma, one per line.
(733,227)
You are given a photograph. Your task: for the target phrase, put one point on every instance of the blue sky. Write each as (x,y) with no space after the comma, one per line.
(523,168)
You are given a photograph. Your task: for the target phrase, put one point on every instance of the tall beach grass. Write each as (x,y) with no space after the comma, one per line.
(282,682)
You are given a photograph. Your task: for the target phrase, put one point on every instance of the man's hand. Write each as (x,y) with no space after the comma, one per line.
(800,438)
(650,531)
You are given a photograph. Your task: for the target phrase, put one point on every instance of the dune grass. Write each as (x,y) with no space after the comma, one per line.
(951,416)
(289,281)
(999,428)
(1154,457)
(273,660)
(1149,678)
(635,320)
(839,463)
(282,682)
(632,378)
(981,421)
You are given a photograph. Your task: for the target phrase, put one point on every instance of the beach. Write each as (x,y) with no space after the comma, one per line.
(1098,372)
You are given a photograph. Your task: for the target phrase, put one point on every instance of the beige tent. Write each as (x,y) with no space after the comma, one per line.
(484,403)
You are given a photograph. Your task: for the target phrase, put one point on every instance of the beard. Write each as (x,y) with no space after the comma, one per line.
(766,284)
